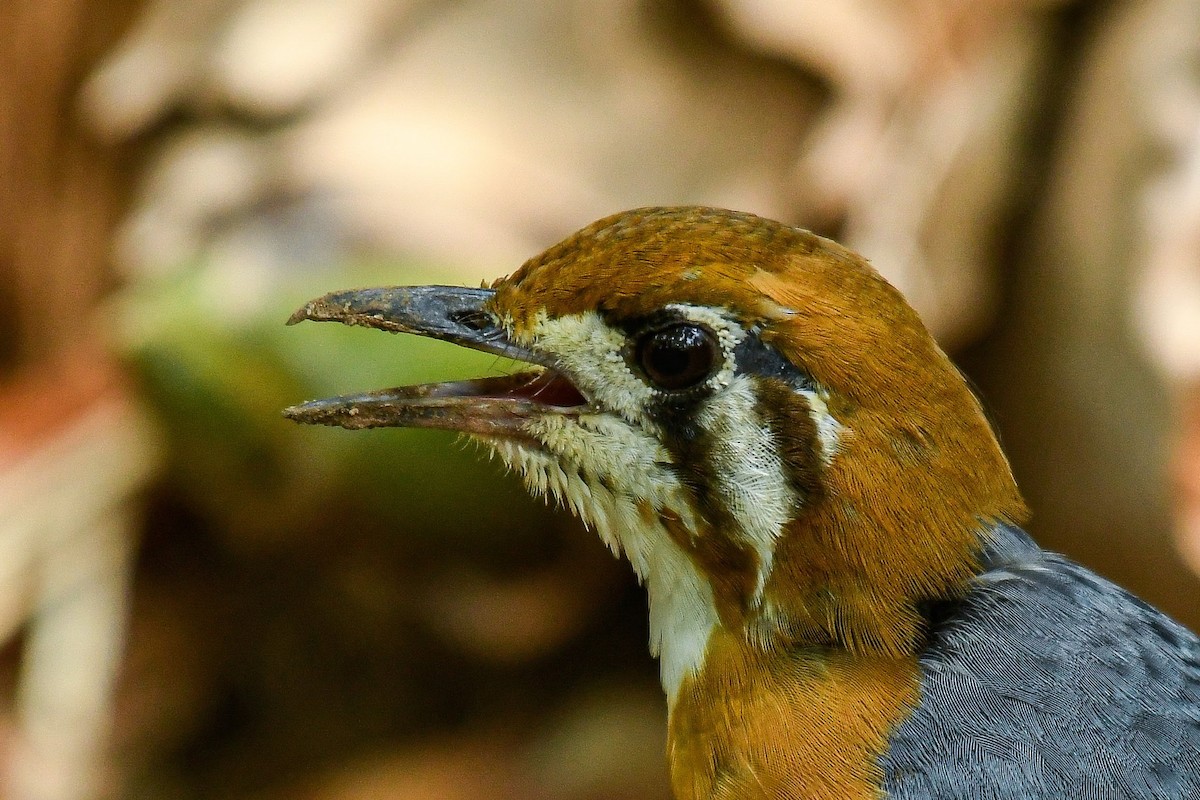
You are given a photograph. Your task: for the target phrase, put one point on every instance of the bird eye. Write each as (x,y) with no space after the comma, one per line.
(678,356)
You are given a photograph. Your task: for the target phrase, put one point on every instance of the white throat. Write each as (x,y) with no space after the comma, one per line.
(623,511)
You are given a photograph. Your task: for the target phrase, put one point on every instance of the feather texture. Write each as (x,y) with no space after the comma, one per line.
(1048,681)
(823,519)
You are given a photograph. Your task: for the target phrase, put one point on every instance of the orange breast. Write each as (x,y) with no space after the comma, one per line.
(809,724)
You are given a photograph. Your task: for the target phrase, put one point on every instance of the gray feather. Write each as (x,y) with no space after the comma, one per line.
(1048,681)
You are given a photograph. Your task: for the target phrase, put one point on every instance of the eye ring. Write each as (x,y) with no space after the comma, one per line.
(678,356)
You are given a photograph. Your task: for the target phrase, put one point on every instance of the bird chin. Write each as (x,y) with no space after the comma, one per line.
(492,408)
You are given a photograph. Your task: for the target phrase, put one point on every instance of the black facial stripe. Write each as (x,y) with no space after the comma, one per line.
(753,356)
(691,451)
(718,545)
(788,416)
(779,406)
(727,557)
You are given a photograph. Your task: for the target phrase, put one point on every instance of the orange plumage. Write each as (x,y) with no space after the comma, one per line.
(841,601)
(899,511)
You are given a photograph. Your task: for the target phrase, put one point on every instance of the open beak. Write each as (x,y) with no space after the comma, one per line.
(497,407)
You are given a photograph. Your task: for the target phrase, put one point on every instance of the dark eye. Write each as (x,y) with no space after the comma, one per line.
(677,356)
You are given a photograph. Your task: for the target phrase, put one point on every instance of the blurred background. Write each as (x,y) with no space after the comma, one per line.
(200,600)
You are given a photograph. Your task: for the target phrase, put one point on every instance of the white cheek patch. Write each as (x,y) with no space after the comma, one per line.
(593,354)
(750,475)
(607,467)
(752,479)
(632,464)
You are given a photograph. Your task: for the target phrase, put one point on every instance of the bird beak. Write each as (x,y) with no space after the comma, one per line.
(497,406)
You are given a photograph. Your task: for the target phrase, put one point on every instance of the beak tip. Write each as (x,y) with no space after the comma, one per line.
(301,314)
(332,411)
(314,412)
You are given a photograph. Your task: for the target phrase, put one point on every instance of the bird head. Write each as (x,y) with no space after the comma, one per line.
(746,410)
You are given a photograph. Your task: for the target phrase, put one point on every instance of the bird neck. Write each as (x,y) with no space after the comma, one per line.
(897,520)
(809,693)
(755,723)
(893,523)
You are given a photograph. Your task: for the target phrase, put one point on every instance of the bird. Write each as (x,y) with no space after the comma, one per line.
(841,596)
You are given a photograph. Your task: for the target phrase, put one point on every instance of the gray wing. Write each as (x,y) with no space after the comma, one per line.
(1048,681)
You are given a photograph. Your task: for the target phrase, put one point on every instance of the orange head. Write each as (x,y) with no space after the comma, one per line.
(747,410)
